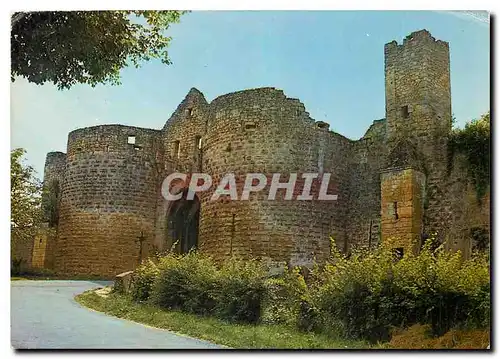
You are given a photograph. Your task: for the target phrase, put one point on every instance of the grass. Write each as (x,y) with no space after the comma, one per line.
(18,278)
(240,336)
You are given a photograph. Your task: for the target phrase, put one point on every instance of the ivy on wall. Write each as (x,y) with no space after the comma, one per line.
(473,141)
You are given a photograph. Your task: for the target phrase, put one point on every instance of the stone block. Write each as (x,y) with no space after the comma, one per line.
(122,282)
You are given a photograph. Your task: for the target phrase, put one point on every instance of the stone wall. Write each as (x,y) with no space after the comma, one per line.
(22,250)
(466,211)
(402,208)
(43,247)
(365,162)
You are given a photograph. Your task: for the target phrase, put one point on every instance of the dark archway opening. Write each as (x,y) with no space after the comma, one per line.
(183,221)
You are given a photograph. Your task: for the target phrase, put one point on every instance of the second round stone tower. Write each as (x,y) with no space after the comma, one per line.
(263,131)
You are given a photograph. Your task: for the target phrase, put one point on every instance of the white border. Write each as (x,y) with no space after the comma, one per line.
(193,5)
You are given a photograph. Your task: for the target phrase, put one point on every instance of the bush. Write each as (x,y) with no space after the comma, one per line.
(283,297)
(240,291)
(473,141)
(143,280)
(364,296)
(186,283)
(372,292)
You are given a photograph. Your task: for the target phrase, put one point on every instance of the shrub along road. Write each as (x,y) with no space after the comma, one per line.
(44,315)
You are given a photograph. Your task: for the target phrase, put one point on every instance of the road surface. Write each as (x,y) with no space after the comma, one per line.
(44,315)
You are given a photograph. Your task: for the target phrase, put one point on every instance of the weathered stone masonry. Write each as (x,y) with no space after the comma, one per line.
(390,183)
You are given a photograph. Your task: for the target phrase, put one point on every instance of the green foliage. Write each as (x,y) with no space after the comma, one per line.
(143,280)
(240,291)
(361,297)
(284,294)
(192,283)
(372,292)
(236,291)
(185,282)
(88,47)
(25,188)
(473,142)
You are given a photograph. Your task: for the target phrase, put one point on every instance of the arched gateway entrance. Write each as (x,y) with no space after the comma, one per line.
(182,223)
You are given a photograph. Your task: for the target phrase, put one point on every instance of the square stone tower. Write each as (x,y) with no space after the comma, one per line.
(418,114)
(417,88)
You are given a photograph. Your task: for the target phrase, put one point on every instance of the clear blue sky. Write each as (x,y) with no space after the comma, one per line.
(332,61)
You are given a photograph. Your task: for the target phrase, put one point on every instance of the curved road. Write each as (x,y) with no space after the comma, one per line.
(44,315)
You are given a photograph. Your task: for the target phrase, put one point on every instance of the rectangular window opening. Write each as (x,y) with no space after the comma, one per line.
(405,111)
(250,126)
(131,140)
(177,149)
(197,142)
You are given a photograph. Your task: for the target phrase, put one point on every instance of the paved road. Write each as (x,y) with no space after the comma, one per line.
(45,315)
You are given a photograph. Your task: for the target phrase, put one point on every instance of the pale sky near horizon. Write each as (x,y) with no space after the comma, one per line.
(333,61)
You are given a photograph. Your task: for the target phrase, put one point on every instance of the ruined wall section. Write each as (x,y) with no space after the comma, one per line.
(263,131)
(365,163)
(108,199)
(183,145)
(338,157)
(470,215)
(418,110)
(182,132)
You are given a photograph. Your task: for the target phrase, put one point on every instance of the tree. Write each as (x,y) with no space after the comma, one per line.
(25,194)
(88,47)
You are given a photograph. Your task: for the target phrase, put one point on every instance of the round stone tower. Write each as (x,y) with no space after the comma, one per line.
(53,177)
(262,131)
(108,200)
(55,162)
